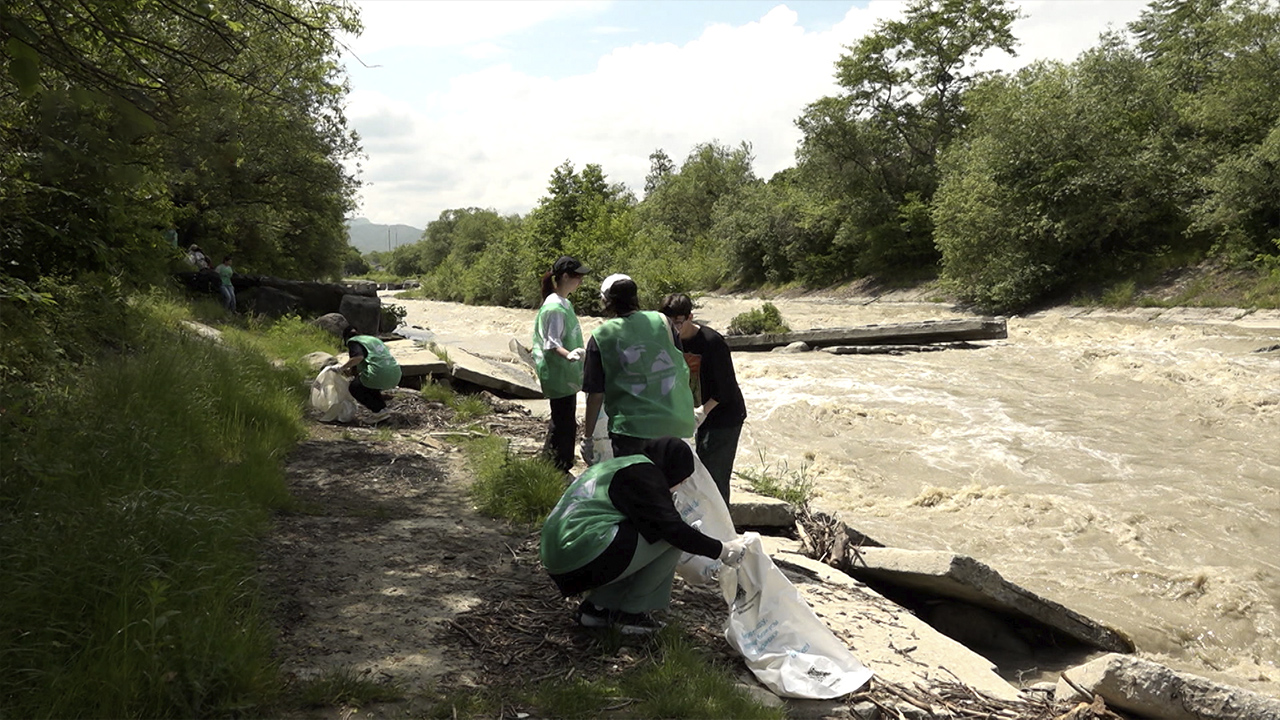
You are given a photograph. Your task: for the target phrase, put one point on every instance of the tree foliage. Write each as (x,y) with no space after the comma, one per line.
(122,118)
(872,150)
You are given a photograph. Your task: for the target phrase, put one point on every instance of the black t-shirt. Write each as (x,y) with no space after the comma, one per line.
(711,366)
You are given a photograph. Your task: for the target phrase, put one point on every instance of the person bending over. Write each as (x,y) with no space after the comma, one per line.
(616,536)
(373,369)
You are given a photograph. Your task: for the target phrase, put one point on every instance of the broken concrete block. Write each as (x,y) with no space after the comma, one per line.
(751,510)
(898,646)
(495,376)
(963,578)
(1152,690)
(416,360)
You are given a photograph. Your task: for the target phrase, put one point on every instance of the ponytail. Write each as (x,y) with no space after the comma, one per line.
(548,284)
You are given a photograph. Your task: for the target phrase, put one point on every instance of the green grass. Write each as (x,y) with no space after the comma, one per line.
(131,494)
(465,407)
(782,482)
(521,490)
(673,680)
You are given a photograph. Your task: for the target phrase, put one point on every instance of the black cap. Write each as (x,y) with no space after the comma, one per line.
(567,264)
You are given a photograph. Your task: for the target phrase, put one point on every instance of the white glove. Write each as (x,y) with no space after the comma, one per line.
(588,451)
(699,416)
(574,355)
(731,551)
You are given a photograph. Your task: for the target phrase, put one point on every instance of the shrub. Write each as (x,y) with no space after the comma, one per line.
(765,319)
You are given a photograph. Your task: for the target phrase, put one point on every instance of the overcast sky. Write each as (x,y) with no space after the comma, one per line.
(474,103)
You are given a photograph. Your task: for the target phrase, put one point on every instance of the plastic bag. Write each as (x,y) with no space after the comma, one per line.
(788,648)
(331,397)
(700,504)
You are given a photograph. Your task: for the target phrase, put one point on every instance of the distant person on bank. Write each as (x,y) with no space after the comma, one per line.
(557,354)
(719,409)
(616,536)
(636,371)
(373,369)
(227,290)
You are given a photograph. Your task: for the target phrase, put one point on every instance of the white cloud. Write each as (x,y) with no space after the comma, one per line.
(492,138)
(452,23)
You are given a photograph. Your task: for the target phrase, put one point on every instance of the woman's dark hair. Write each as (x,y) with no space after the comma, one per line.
(349,332)
(548,283)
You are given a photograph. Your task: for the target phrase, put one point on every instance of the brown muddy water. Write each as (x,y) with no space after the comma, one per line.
(1124,464)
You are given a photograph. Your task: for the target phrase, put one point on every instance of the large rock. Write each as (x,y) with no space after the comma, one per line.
(270,301)
(887,638)
(963,578)
(1153,690)
(364,313)
(333,323)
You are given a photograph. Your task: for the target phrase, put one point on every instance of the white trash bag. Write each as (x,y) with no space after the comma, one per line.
(788,648)
(331,396)
(700,504)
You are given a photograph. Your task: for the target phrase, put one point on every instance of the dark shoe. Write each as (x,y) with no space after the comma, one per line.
(588,615)
(636,623)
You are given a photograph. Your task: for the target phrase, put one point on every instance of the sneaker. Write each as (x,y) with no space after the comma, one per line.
(379,416)
(588,615)
(636,623)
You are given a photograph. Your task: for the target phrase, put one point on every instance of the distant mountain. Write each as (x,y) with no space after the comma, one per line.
(367,236)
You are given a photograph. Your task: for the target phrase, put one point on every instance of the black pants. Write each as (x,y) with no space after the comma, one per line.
(561,431)
(627,445)
(367,397)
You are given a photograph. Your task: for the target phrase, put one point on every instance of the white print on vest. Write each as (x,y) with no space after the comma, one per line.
(661,364)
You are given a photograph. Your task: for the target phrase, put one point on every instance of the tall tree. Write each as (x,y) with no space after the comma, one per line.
(873,149)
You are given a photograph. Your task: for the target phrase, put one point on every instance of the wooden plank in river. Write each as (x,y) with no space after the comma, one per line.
(912,333)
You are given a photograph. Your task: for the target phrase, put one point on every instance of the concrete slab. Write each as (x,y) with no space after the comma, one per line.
(506,378)
(758,511)
(888,639)
(1152,690)
(963,578)
(416,359)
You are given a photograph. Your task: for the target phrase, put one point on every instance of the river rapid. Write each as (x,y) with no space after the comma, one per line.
(1124,464)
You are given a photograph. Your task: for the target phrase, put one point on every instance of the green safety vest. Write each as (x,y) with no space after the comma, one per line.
(559,377)
(584,522)
(379,370)
(646,381)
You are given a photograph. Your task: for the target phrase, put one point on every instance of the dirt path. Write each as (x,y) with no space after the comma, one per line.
(387,571)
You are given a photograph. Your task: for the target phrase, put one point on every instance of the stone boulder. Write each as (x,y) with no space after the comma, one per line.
(1152,690)
(269,301)
(333,323)
(364,313)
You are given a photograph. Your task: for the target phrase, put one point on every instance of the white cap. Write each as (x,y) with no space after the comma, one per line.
(608,283)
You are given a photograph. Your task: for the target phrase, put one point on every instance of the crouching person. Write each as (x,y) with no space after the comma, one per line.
(616,536)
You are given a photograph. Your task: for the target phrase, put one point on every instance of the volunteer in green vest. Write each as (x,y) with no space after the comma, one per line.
(636,371)
(616,536)
(557,354)
(373,370)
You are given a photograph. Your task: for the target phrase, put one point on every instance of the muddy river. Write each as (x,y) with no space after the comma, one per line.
(1125,464)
